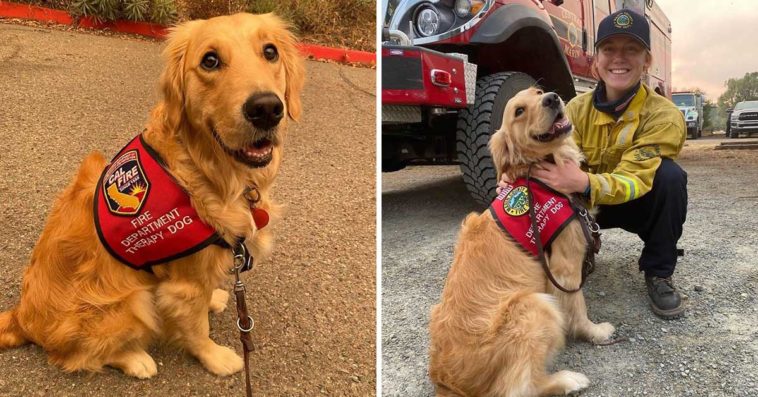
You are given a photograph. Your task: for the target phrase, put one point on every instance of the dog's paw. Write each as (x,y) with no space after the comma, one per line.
(571,382)
(221,360)
(138,364)
(219,300)
(599,333)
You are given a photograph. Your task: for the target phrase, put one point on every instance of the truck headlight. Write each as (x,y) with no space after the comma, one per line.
(462,8)
(427,21)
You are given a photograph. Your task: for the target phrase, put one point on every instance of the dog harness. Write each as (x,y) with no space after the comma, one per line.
(553,212)
(143,216)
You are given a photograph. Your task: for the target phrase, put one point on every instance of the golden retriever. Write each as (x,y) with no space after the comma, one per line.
(500,320)
(88,310)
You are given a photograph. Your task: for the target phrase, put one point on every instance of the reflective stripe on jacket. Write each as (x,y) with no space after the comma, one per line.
(622,156)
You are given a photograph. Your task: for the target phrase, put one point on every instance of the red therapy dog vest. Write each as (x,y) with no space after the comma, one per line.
(142,216)
(511,211)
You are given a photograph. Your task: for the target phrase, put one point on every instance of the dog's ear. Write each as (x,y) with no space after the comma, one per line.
(499,149)
(172,78)
(294,69)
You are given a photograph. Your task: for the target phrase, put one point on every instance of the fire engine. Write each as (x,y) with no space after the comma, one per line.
(450,66)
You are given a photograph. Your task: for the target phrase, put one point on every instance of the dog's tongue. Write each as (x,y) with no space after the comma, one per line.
(560,124)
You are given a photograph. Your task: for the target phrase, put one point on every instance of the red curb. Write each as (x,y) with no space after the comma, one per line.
(337,54)
(26,11)
(140,28)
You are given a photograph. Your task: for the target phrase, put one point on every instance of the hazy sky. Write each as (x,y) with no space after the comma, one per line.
(712,41)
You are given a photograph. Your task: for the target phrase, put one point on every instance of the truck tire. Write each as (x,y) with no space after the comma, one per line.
(475,126)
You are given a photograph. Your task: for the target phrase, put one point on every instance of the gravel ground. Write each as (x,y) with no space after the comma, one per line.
(712,351)
(66,93)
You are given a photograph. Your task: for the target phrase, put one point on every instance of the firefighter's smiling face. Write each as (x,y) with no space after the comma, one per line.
(621,60)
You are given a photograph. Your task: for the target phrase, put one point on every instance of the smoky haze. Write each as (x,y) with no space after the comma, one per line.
(712,41)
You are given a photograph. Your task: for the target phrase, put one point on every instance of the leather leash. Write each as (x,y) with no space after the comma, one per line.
(244,261)
(591,235)
(245,323)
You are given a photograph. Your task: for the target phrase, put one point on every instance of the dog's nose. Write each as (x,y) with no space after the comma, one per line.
(264,110)
(551,100)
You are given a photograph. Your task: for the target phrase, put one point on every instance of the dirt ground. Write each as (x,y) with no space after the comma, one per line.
(64,94)
(712,351)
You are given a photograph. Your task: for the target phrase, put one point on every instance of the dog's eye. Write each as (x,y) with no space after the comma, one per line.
(519,111)
(270,52)
(210,61)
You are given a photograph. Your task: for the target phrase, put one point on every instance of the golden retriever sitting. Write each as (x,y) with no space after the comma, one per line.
(500,320)
(227,86)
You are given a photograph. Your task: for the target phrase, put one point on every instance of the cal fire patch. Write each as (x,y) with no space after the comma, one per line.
(511,211)
(125,186)
(142,216)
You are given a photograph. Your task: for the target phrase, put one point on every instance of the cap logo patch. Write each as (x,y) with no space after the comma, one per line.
(125,185)
(622,21)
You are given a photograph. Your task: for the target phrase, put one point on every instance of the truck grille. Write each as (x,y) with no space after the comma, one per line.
(749,116)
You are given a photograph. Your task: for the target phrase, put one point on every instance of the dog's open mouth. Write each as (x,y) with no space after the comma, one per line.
(257,154)
(560,127)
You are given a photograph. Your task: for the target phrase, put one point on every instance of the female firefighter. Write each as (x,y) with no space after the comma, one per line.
(630,136)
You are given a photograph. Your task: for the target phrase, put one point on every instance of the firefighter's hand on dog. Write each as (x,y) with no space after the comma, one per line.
(502,183)
(566,178)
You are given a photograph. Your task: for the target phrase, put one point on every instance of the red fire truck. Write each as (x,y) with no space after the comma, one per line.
(450,66)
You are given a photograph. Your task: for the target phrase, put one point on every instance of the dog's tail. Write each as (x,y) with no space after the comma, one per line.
(11,334)
(89,170)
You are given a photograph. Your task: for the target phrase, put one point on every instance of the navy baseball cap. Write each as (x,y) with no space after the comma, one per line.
(626,22)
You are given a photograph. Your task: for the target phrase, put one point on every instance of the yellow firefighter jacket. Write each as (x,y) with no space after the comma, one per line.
(622,156)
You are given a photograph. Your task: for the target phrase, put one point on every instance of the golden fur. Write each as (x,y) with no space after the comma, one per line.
(86,309)
(500,320)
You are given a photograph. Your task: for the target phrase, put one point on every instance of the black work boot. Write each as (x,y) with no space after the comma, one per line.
(664,298)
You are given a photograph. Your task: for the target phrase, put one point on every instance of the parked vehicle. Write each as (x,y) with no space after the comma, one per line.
(691,106)
(744,119)
(450,66)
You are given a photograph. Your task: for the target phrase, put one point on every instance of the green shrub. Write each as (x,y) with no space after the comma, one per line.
(109,10)
(99,10)
(83,8)
(199,9)
(136,10)
(163,12)
(262,6)
(342,23)
(347,23)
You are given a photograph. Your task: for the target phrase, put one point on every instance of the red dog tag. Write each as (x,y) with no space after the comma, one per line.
(260,217)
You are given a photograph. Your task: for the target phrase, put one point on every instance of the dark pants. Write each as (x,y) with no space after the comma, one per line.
(657,217)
